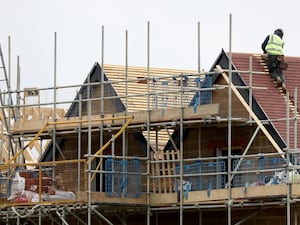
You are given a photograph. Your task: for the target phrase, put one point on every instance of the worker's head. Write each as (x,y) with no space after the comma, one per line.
(279,32)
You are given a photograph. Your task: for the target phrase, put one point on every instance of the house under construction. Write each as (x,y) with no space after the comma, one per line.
(155,146)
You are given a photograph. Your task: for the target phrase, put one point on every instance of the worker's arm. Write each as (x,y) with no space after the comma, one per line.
(264,44)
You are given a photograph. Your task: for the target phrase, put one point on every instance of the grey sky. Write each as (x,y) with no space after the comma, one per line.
(173,33)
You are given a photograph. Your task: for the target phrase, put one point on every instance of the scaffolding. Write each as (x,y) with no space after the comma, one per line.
(105,176)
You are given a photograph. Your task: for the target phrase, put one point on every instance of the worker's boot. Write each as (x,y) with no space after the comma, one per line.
(284,88)
(279,81)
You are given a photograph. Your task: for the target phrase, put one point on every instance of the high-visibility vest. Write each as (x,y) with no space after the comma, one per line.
(275,45)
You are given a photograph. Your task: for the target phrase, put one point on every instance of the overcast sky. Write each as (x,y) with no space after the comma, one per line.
(173,33)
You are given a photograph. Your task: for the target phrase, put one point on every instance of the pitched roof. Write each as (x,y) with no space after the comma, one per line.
(271,99)
(160,81)
(164,87)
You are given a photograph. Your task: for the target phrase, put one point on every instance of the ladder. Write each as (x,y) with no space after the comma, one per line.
(290,100)
(4,83)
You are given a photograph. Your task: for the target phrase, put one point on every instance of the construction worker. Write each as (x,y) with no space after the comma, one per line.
(273,47)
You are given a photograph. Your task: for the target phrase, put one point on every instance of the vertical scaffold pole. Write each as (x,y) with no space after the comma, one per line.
(148,124)
(181,152)
(295,116)
(199,92)
(54,101)
(199,55)
(229,122)
(79,141)
(289,176)
(124,135)
(89,152)
(250,85)
(102,100)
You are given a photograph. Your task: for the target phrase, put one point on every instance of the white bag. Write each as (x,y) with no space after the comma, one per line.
(17,186)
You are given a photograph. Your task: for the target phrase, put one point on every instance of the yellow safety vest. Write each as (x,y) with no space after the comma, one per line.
(275,45)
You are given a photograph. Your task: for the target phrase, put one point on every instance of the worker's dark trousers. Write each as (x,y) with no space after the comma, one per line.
(274,67)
